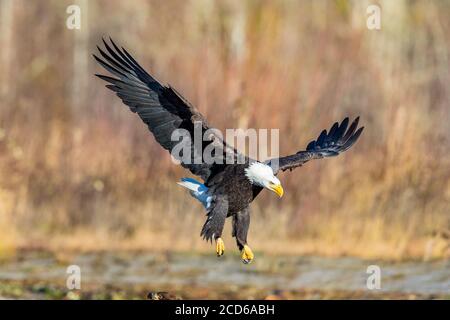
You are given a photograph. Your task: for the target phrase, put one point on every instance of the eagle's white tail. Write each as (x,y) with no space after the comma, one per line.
(197,190)
(191,184)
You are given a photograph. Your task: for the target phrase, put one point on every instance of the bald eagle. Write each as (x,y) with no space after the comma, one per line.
(227,188)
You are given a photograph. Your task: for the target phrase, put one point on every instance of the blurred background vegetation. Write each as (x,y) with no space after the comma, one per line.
(79,171)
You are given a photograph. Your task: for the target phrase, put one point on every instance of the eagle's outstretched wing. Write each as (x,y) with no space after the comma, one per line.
(161,107)
(330,144)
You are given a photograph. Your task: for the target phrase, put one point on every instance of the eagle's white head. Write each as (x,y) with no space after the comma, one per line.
(262,175)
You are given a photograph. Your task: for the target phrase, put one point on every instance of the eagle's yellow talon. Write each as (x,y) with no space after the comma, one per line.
(220,247)
(247,255)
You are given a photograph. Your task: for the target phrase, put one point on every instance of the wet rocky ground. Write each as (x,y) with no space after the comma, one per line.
(135,275)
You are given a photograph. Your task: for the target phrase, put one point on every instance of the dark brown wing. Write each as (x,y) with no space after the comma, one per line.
(330,144)
(161,107)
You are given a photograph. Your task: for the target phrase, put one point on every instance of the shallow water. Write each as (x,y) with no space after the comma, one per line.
(270,272)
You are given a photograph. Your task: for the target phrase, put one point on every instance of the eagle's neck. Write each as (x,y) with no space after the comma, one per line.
(258,173)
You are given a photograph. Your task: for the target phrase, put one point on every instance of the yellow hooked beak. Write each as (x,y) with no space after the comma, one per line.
(278,189)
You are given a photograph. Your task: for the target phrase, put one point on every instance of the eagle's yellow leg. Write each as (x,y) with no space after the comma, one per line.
(247,254)
(220,247)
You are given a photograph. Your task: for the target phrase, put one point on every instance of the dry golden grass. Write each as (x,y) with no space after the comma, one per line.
(79,171)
